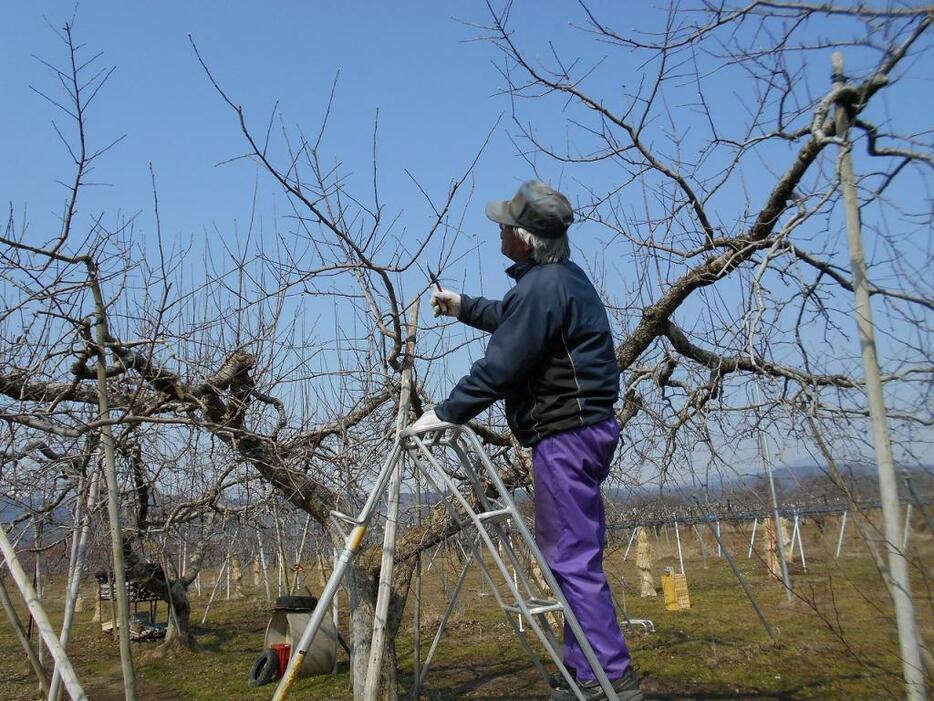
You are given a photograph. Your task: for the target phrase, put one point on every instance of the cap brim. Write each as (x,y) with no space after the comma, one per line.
(498,211)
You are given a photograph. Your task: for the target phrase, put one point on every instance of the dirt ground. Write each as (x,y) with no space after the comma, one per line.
(836,640)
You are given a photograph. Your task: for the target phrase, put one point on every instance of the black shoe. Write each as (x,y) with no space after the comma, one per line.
(557,680)
(626,688)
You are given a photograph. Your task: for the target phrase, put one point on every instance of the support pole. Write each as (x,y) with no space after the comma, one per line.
(907,527)
(678,541)
(737,573)
(794,533)
(384,588)
(776,516)
(82,528)
(217,582)
(840,538)
(908,640)
(417,651)
(113,493)
(799,525)
(284,584)
(703,546)
(752,539)
(299,554)
(335,607)
(23,638)
(631,538)
(42,621)
(37,567)
(262,562)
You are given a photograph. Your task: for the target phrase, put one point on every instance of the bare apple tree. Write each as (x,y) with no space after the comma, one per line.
(710,170)
(722,274)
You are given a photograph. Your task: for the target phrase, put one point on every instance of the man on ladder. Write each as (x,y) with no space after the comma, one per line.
(551,357)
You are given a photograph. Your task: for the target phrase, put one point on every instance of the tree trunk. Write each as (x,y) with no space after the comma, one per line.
(174,592)
(179,634)
(362,579)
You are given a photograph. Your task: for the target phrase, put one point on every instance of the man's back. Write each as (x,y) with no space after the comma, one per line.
(551,356)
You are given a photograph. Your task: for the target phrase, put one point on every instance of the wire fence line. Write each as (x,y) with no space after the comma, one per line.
(720,512)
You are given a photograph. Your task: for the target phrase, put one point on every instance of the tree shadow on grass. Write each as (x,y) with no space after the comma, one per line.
(514,680)
(715,692)
(214,638)
(509,680)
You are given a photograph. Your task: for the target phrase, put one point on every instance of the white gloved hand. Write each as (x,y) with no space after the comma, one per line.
(427,421)
(446,302)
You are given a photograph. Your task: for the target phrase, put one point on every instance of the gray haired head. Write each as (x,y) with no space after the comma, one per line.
(544,251)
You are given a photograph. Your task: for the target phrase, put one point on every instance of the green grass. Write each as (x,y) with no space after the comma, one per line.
(837,641)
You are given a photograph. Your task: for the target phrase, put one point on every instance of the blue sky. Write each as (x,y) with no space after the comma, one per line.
(397,59)
(436,91)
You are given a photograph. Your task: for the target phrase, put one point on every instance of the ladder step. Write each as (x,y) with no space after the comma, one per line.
(535,606)
(496,515)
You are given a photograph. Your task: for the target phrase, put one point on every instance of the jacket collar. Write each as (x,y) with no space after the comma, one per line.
(517,270)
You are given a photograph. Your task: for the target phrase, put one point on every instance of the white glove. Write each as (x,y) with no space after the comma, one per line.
(427,421)
(446,302)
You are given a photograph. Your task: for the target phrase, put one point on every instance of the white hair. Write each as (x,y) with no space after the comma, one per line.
(546,250)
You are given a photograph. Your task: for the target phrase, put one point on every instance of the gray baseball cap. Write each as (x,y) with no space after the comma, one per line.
(537,208)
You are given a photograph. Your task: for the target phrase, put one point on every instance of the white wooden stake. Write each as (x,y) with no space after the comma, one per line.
(631,538)
(798,527)
(773,497)
(37,570)
(907,527)
(335,609)
(378,642)
(908,640)
(299,553)
(678,540)
(113,491)
(840,538)
(24,641)
(75,570)
(752,539)
(42,621)
(280,546)
(262,564)
(794,533)
(217,581)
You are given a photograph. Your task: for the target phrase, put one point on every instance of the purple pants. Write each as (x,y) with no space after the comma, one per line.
(570,525)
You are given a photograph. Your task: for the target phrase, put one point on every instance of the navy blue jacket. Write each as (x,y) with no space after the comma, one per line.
(551,355)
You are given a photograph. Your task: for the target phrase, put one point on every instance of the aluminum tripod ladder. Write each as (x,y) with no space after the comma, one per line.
(452,460)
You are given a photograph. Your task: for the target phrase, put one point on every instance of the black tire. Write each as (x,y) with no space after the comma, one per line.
(296,603)
(265,668)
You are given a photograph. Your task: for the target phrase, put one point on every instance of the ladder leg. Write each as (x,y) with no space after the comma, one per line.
(426,665)
(426,464)
(521,605)
(571,621)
